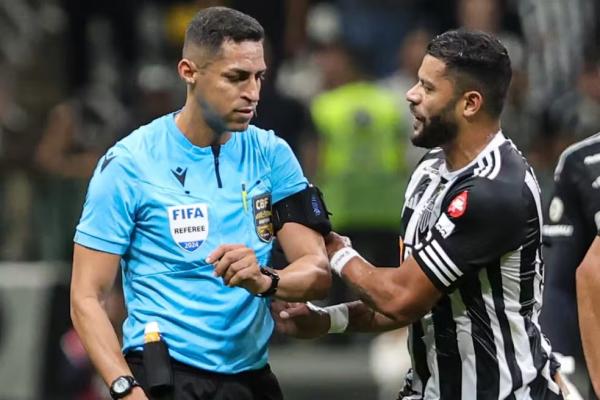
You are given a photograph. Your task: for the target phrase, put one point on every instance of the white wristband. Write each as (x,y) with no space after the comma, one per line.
(341,257)
(338,316)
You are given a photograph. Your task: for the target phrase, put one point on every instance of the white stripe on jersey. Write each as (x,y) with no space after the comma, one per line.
(433,268)
(464,338)
(505,382)
(511,287)
(445,257)
(497,164)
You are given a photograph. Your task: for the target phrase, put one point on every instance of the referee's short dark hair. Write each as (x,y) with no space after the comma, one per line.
(475,61)
(211,26)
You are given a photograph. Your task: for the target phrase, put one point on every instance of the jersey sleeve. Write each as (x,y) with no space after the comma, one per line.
(108,215)
(478,224)
(286,174)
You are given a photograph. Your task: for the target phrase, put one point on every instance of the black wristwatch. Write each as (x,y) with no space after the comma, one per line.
(271,273)
(122,386)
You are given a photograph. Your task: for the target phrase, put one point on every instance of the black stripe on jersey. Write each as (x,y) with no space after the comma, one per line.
(448,360)
(495,277)
(420,353)
(488,373)
(539,390)
(535,343)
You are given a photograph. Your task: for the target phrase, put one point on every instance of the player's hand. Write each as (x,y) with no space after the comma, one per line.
(238,266)
(298,320)
(335,242)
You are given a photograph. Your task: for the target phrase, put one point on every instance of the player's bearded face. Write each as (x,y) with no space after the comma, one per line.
(435,130)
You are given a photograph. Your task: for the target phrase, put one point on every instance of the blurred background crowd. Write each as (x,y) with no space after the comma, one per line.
(75,76)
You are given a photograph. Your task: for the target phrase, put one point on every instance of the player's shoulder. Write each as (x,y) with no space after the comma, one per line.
(585,153)
(497,180)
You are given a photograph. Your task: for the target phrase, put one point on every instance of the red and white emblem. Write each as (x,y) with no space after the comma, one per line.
(458,205)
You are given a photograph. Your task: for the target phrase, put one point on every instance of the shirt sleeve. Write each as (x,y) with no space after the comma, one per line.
(108,215)
(478,224)
(286,174)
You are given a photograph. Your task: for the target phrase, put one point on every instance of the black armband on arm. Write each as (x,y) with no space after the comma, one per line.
(305,207)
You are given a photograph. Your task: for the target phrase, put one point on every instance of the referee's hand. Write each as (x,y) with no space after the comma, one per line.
(238,266)
(298,320)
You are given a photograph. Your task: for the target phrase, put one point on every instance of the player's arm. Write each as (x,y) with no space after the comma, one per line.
(306,321)
(588,304)
(93,276)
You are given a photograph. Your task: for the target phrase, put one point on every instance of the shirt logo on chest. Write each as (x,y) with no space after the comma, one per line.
(188,225)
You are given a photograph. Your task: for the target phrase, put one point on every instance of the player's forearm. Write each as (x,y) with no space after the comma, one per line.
(99,338)
(307,278)
(588,304)
(377,288)
(362,318)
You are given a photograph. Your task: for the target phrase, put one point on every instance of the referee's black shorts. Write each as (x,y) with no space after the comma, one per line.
(196,384)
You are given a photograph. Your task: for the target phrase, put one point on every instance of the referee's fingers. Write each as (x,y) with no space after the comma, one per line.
(220,251)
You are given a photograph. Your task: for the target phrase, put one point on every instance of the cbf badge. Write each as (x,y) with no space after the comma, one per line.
(263,216)
(188,225)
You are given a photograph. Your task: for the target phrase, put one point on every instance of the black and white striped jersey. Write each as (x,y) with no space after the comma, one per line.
(476,233)
(571,225)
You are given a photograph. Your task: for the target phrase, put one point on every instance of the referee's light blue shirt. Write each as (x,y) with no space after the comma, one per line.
(154,199)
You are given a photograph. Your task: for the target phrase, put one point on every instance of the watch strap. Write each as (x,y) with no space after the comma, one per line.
(271,273)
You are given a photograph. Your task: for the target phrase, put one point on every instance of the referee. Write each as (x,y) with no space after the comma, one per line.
(188,211)
(572,225)
(469,285)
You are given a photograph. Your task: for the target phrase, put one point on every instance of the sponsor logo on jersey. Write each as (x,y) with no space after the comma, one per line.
(596,183)
(557,230)
(458,205)
(263,216)
(593,159)
(556,210)
(180,174)
(107,159)
(444,226)
(188,225)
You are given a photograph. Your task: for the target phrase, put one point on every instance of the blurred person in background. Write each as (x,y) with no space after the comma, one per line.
(361,145)
(572,224)
(588,303)
(166,203)
(470,280)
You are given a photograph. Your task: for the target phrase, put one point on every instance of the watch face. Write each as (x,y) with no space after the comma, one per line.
(121,385)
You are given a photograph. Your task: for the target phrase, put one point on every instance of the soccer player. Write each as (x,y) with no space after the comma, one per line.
(188,210)
(572,226)
(469,285)
(588,303)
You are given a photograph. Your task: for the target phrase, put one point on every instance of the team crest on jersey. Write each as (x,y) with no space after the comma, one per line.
(188,225)
(458,205)
(263,216)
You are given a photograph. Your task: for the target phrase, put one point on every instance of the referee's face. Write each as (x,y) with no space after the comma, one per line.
(432,103)
(230,83)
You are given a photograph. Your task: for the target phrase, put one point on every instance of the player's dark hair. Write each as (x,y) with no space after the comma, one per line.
(475,61)
(213,25)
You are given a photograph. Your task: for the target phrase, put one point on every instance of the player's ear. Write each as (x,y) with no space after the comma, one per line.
(473,101)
